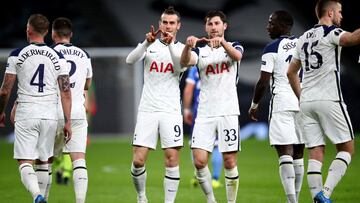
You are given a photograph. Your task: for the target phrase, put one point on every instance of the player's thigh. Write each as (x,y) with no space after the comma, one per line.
(146,130)
(47,139)
(204,134)
(77,143)
(282,128)
(311,131)
(336,122)
(228,133)
(171,130)
(26,139)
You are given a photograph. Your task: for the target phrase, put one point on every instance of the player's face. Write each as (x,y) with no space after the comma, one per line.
(169,23)
(273,27)
(337,14)
(215,27)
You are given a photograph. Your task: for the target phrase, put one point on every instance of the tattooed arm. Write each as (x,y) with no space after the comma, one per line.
(5,91)
(65,94)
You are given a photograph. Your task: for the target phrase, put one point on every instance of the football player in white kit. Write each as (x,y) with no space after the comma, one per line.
(40,70)
(321,102)
(159,112)
(218,63)
(80,80)
(284,129)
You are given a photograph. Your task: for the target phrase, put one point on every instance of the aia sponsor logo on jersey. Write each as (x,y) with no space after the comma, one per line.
(217,68)
(161,67)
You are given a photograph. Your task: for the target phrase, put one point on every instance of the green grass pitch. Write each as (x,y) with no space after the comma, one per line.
(108,162)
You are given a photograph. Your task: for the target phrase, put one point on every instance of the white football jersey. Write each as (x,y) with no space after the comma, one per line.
(275,59)
(218,76)
(37,68)
(80,69)
(161,92)
(319,52)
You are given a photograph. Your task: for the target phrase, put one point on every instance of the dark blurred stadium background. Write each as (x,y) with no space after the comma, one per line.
(108,29)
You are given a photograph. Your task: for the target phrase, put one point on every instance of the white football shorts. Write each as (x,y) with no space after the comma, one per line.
(325,119)
(34,139)
(284,128)
(150,125)
(226,128)
(78,139)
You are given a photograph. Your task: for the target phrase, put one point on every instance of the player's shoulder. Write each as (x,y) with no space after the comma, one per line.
(16,51)
(273,47)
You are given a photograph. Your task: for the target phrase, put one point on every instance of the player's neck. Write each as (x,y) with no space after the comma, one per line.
(36,40)
(325,21)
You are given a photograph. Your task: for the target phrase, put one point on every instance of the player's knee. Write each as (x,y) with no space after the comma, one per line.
(138,162)
(200,163)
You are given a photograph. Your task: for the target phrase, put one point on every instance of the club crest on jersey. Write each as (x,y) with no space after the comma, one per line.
(162,68)
(217,69)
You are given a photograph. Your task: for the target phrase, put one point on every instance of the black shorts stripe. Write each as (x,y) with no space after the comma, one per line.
(347,120)
(138,174)
(171,178)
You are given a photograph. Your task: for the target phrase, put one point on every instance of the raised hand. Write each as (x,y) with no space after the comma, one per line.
(215,42)
(151,36)
(167,37)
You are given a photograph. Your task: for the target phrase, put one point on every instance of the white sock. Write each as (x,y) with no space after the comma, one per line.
(314,177)
(336,172)
(299,175)
(232,184)
(287,176)
(171,183)
(42,173)
(29,179)
(204,177)
(139,180)
(80,178)
(47,192)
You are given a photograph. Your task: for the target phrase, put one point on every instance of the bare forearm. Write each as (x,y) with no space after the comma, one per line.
(259,91)
(350,39)
(66,105)
(5,91)
(186,56)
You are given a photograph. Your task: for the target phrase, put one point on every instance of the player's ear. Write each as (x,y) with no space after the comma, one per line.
(179,25)
(225,26)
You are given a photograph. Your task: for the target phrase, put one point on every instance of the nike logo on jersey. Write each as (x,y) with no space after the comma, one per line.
(231,144)
(204,56)
(176,140)
(217,68)
(162,68)
(152,52)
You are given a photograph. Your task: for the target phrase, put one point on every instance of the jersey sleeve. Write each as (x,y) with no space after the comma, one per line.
(238,46)
(11,66)
(11,62)
(335,35)
(267,62)
(269,56)
(297,51)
